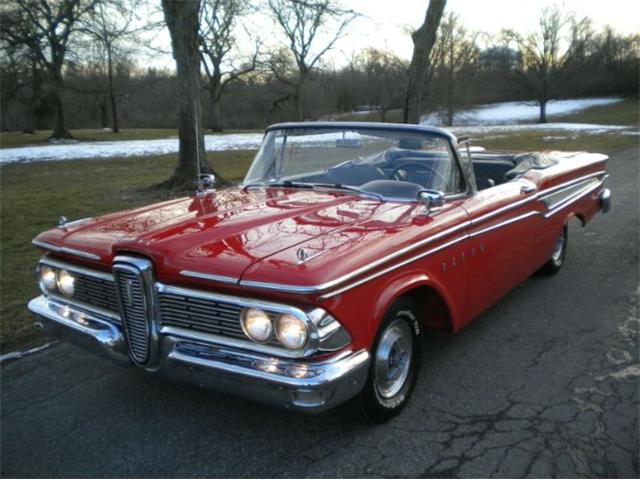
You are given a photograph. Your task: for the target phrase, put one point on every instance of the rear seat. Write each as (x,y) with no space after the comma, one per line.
(490,172)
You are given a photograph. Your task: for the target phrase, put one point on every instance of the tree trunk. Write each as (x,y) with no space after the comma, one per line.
(298,102)
(104,116)
(450,92)
(112,98)
(423,41)
(182,19)
(543,111)
(32,102)
(214,113)
(4,125)
(31,109)
(215,124)
(59,129)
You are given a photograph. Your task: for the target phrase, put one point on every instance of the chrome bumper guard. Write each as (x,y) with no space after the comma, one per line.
(306,386)
(605,200)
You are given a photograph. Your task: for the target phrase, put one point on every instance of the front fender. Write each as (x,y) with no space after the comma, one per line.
(406,282)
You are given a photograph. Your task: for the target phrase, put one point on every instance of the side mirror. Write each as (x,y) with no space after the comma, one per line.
(205,182)
(430,198)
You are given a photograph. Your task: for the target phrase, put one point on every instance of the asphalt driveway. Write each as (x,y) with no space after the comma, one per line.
(545,383)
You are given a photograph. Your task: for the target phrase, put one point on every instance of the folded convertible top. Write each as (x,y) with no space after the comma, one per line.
(534,160)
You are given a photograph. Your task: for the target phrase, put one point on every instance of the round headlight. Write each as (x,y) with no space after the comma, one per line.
(291,331)
(65,283)
(256,324)
(48,278)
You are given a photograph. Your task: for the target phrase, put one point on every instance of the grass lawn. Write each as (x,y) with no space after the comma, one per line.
(34,195)
(626,112)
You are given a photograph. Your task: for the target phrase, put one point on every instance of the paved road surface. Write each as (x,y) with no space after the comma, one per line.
(545,383)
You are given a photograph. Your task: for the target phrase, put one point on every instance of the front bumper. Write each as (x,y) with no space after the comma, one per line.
(605,200)
(310,386)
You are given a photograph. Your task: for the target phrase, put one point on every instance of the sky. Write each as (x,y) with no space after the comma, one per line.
(385,24)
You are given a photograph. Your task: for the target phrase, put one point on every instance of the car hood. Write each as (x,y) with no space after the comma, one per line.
(224,233)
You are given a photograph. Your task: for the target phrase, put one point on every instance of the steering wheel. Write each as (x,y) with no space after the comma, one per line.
(431,171)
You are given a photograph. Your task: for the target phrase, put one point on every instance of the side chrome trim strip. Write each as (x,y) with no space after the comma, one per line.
(70,251)
(79,253)
(394,267)
(76,222)
(46,246)
(426,241)
(359,271)
(537,196)
(208,276)
(552,190)
(573,198)
(505,223)
(570,200)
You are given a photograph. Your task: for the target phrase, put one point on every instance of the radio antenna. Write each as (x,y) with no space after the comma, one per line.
(195,110)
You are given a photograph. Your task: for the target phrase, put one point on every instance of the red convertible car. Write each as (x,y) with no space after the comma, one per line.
(314,280)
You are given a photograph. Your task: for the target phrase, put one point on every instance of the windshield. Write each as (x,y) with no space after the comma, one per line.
(356,157)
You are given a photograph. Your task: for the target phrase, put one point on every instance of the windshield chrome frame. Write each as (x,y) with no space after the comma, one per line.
(464,167)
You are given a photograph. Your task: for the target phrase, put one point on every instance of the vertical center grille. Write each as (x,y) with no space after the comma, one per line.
(134,309)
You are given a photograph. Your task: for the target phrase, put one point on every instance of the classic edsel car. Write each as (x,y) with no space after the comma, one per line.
(313,281)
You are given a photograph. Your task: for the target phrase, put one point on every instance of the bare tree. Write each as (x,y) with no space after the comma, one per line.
(183,20)
(13,75)
(544,54)
(46,28)
(217,48)
(424,39)
(112,24)
(383,72)
(304,23)
(455,52)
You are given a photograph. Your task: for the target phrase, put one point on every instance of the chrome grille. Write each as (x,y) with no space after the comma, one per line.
(202,315)
(133,310)
(95,291)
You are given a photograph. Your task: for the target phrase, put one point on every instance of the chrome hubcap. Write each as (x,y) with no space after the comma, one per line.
(556,256)
(393,359)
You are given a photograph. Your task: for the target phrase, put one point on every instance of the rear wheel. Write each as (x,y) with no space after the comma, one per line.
(556,261)
(395,361)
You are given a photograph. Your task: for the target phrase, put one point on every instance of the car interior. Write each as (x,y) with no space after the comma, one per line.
(401,173)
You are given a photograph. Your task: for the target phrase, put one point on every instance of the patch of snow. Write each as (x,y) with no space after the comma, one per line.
(513,112)
(125,148)
(551,138)
(582,128)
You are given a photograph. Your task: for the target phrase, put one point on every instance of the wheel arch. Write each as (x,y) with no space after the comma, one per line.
(431,298)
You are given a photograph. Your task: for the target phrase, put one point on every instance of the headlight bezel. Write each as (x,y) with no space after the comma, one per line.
(66,283)
(273,345)
(292,320)
(43,282)
(247,328)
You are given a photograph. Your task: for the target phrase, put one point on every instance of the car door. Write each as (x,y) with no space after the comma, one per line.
(503,223)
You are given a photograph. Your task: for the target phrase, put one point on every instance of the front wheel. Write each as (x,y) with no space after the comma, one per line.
(556,261)
(395,362)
